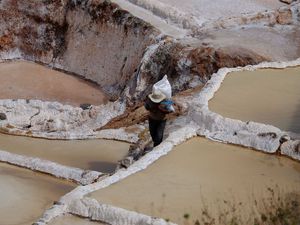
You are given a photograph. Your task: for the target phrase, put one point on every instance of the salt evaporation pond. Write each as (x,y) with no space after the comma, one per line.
(73,220)
(270,96)
(25,80)
(25,195)
(99,155)
(202,173)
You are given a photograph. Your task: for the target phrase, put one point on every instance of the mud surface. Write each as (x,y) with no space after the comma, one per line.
(25,80)
(203,174)
(269,96)
(98,155)
(74,220)
(25,194)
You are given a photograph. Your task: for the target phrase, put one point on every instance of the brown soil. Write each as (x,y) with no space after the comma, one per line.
(139,114)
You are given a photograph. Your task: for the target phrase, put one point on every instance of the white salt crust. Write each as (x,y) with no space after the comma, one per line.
(250,134)
(80,176)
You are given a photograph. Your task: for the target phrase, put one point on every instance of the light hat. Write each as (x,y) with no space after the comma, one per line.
(156,96)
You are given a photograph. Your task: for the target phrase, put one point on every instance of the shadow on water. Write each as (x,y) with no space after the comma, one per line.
(104,167)
(295,122)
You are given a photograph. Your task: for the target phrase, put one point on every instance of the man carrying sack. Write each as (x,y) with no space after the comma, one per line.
(159,104)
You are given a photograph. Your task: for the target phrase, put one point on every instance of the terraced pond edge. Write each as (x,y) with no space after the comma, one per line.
(199,121)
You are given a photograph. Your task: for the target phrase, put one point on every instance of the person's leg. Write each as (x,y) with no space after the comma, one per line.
(160,132)
(156,128)
(152,129)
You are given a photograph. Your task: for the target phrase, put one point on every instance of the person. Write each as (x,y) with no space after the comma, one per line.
(158,106)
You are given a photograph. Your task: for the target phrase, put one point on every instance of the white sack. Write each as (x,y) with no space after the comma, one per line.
(164,87)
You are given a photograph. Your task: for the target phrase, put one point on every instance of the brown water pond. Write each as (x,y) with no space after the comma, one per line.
(98,155)
(26,80)
(201,174)
(73,220)
(270,96)
(25,195)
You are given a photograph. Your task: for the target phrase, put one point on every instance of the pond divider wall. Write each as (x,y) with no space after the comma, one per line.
(199,121)
(250,134)
(80,176)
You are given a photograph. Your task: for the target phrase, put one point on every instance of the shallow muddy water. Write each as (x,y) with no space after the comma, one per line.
(270,96)
(25,195)
(99,155)
(26,80)
(203,174)
(73,220)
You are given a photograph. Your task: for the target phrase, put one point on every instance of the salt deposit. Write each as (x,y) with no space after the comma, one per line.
(195,13)
(269,96)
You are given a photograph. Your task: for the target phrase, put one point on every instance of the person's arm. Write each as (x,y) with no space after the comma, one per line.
(166,106)
(147,105)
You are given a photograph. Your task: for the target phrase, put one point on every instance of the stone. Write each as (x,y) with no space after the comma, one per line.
(291,148)
(284,138)
(3,116)
(85,106)
(284,17)
(287,1)
(127,161)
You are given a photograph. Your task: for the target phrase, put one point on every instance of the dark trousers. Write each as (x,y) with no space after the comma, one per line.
(157,128)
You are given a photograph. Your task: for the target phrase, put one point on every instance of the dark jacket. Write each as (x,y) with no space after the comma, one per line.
(158,111)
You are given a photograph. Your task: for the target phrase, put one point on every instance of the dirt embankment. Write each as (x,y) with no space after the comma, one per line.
(93,38)
(101,42)
(188,66)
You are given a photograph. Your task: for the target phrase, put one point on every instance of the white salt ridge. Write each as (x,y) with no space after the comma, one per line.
(120,134)
(250,134)
(201,121)
(10,55)
(67,202)
(83,177)
(90,208)
(169,13)
(296,10)
(195,14)
(54,120)
(164,26)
